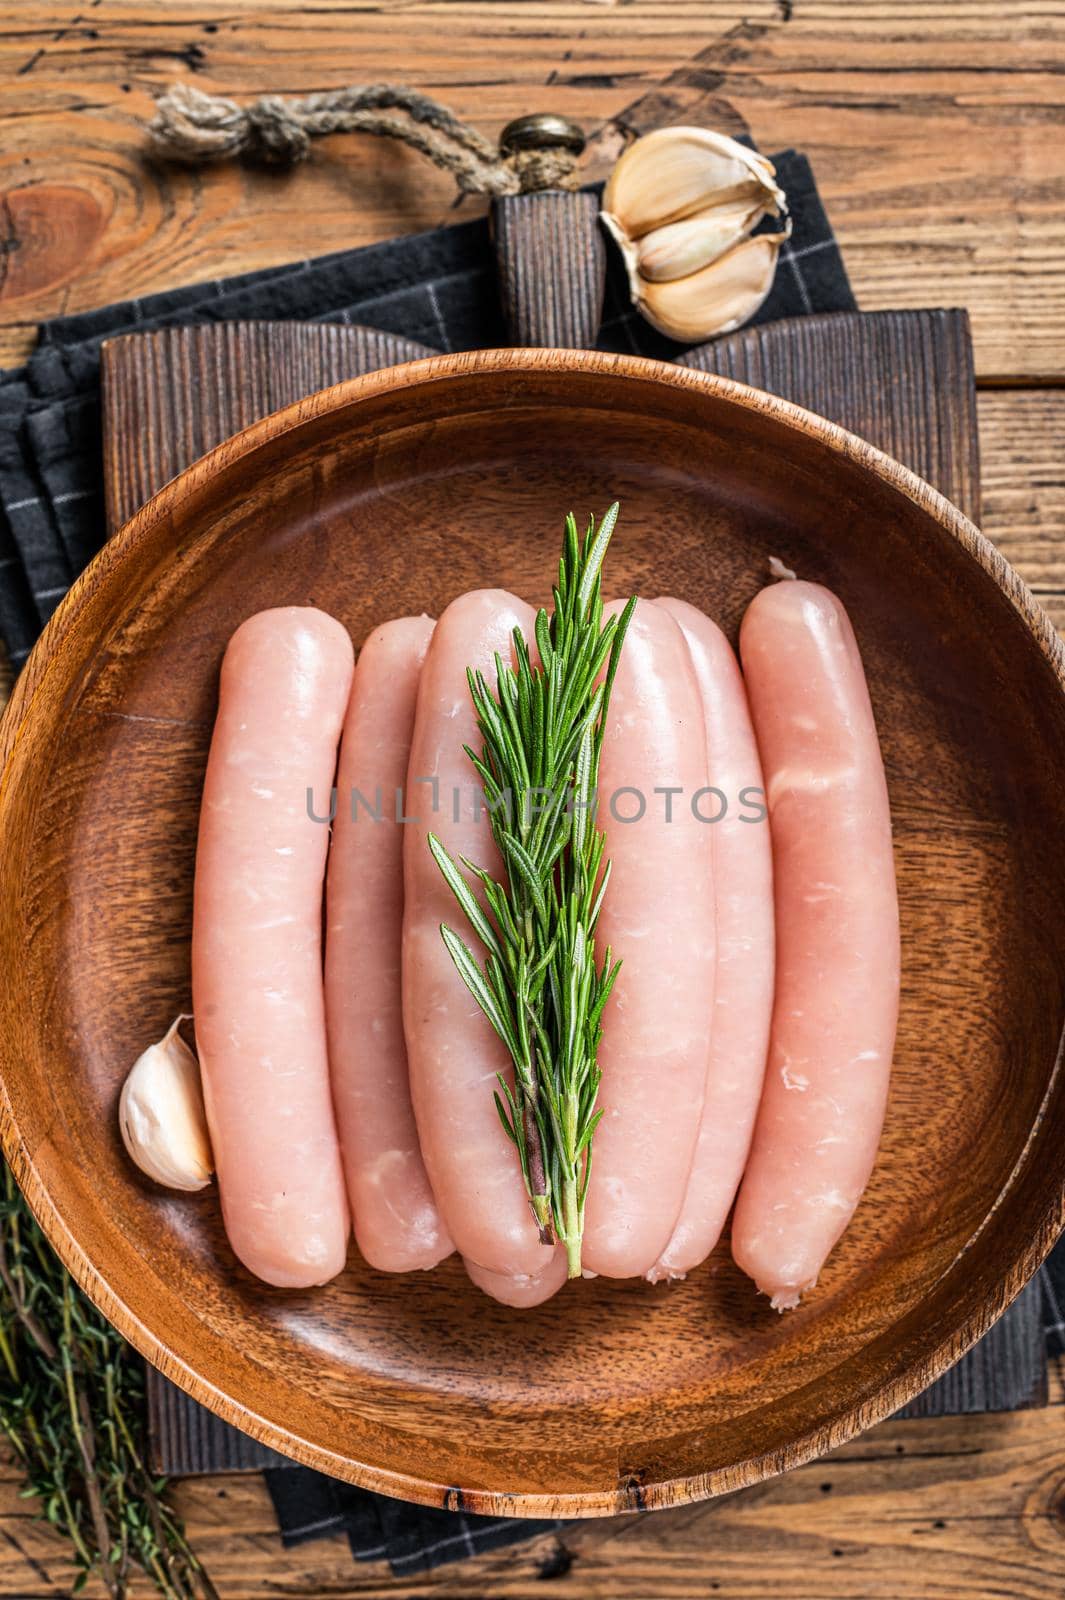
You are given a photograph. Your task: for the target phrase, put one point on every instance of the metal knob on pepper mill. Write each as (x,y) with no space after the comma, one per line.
(550,251)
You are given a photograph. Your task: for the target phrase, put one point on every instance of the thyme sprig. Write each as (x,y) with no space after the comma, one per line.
(540,984)
(72,1409)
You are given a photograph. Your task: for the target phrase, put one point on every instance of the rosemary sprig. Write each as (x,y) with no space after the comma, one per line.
(540,984)
(71,1407)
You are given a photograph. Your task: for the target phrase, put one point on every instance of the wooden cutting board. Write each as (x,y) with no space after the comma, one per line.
(903,380)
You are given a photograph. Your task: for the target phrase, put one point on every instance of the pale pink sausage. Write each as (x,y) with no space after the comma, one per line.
(837,989)
(257,944)
(658,917)
(453,1053)
(397,1225)
(743,989)
(522,1293)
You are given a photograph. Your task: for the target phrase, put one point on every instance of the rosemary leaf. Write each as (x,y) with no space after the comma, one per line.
(466,899)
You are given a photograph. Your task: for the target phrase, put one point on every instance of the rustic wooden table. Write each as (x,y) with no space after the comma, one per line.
(936,132)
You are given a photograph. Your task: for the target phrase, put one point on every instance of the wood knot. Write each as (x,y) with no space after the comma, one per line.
(556,1563)
(47,233)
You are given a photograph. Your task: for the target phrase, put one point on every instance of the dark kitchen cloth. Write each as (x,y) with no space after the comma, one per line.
(411,1538)
(439,288)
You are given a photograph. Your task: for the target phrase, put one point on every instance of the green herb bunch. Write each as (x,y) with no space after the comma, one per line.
(540,984)
(72,1408)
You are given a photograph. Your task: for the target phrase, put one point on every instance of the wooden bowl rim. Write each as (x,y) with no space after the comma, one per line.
(92,1279)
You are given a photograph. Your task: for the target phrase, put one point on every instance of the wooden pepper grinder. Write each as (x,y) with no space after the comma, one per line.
(550,250)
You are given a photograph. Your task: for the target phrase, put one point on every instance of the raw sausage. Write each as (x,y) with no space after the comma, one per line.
(453,1053)
(743,989)
(397,1225)
(658,917)
(522,1293)
(257,945)
(837,987)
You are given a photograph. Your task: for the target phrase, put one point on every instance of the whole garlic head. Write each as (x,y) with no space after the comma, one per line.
(682,204)
(161,1114)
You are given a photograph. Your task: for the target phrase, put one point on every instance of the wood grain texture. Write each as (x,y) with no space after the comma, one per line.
(950,1508)
(935,133)
(901,380)
(969,1510)
(700,1389)
(1023,445)
(1005,1371)
(169,397)
(551,259)
(184,1437)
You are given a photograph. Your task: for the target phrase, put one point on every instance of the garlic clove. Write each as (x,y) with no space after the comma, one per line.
(717,299)
(680,248)
(161,1115)
(627,247)
(672,173)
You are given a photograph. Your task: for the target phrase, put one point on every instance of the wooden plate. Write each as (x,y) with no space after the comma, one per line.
(392,494)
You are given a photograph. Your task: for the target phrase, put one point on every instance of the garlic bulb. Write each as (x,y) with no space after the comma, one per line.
(161,1114)
(682,204)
